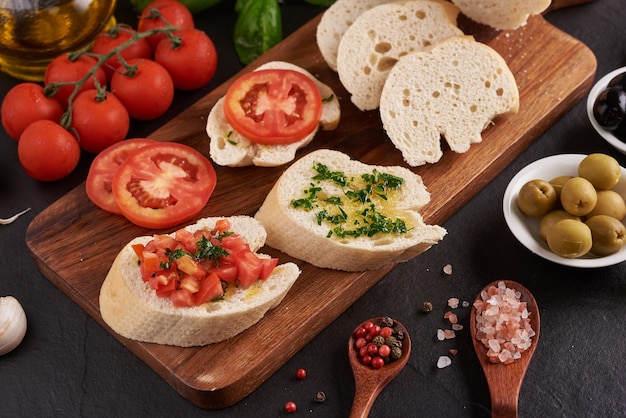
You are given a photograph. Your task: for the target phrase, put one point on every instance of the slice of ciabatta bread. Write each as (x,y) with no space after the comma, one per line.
(300,233)
(453,89)
(229,148)
(334,23)
(134,311)
(381,35)
(502,14)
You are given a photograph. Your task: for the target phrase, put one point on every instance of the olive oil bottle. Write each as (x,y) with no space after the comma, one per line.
(33,32)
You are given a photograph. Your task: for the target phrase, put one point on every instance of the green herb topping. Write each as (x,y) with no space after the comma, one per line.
(357,209)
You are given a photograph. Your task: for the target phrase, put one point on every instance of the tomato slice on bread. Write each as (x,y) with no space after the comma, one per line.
(273,106)
(103,168)
(163,184)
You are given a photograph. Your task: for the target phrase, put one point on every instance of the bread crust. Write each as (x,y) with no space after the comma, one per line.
(296,232)
(134,311)
(502,14)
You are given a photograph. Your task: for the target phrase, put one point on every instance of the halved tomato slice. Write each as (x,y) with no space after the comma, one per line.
(163,184)
(273,107)
(103,168)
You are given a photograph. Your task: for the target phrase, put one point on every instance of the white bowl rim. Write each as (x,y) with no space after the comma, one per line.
(526,229)
(591,98)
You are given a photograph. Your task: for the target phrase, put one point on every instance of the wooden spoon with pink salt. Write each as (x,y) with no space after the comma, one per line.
(504,325)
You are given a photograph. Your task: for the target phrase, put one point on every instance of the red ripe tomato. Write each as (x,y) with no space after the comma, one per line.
(190,58)
(160,12)
(47,151)
(24,104)
(273,107)
(146,90)
(164,184)
(107,41)
(99,120)
(62,69)
(103,168)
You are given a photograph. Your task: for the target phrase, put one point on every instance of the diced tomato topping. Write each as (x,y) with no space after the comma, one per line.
(210,288)
(182,298)
(185,268)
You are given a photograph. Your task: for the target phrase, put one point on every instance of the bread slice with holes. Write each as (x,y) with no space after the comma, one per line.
(453,90)
(338,230)
(133,310)
(380,36)
(502,14)
(229,148)
(337,18)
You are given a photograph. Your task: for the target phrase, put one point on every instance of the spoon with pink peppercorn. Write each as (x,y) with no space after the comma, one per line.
(378,350)
(504,325)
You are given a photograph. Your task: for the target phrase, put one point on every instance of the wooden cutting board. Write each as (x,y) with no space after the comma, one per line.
(74,243)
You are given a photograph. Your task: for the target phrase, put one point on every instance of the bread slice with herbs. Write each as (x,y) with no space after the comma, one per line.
(132,309)
(453,90)
(337,18)
(229,148)
(502,14)
(380,36)
(335,212)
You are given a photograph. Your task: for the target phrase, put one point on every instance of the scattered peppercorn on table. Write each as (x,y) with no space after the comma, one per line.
(68,364)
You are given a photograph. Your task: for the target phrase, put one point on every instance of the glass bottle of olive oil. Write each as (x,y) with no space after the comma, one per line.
(33,32)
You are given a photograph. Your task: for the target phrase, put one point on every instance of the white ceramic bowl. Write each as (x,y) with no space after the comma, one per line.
(526,228)
(591,98)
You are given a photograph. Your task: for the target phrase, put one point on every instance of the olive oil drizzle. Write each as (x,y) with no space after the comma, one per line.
(363,191)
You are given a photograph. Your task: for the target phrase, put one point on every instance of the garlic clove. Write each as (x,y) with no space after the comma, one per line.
(12,324)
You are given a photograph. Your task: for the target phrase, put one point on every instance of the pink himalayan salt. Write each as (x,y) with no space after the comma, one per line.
(451,316)
(453,303)
(503,324)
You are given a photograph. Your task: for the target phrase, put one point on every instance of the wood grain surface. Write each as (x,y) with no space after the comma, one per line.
(74,243)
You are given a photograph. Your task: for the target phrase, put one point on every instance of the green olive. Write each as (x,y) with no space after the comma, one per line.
(603,171)
(549,220)
(569,238)
(536,198)
(578,196)
(609,203)
(608,235)
(558,183)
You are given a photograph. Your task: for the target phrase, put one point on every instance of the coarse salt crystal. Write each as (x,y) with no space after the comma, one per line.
(443,361)
(447,269)
(453,303)
(502,323)
(440,335)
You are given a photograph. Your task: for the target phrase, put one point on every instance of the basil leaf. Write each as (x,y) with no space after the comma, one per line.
(257,29)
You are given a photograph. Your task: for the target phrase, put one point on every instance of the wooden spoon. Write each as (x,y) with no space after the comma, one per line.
(370,382)
(505,380)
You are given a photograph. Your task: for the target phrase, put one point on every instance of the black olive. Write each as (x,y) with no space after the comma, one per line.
(618,81)
(620,131)
(610,107)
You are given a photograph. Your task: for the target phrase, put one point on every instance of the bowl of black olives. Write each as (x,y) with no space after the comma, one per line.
(606,108)
(570,209)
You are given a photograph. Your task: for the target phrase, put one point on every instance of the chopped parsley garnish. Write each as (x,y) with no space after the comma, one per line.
(362,190)
(206,250)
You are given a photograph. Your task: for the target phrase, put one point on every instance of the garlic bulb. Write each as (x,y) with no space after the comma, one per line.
(12,324)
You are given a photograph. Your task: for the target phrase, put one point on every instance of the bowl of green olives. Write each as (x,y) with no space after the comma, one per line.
(570,209)
(606,108)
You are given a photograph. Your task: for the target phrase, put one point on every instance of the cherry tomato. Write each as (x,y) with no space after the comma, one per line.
(273,107)
(161,12)
(24,104)
(47,151)
(103,168)
(146,90)
(99,119)
(290,407)
(107,41)
(164,184)
(62,69)
(190,58)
